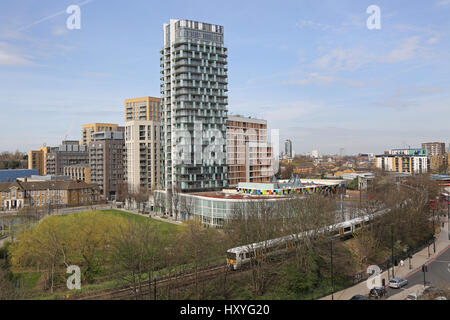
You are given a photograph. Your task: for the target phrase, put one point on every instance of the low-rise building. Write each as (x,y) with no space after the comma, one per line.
(78,172)
(403,163)
(22,194)
(439,162)
(213,208)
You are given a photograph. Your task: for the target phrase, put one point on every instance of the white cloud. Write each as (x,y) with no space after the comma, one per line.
(323,79)
(351,59)
(10,56)
(59,30)
(406,51)
(443,3)
(313,25)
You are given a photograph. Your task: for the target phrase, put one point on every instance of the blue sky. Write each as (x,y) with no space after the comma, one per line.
(311,68)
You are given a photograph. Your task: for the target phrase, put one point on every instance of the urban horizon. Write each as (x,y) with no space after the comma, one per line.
(291,101)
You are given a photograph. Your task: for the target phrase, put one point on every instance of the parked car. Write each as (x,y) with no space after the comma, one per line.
(358,297)
(414,296)
(377,292)
(397,283)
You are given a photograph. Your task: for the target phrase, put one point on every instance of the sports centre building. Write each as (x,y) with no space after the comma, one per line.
(212,208)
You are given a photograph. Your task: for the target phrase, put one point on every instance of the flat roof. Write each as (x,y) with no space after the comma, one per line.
(233,196)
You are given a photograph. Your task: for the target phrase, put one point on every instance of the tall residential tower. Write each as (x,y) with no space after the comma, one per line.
(142,143)
(194,106)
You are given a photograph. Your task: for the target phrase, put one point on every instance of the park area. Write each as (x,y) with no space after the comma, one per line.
(111,247)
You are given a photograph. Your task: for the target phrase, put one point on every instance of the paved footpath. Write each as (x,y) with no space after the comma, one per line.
(153,216)
(420,258)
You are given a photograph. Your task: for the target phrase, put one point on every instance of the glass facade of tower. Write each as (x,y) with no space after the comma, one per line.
(194,106)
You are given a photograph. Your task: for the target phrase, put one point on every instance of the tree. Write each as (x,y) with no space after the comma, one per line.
(251,223)
(198,245)
(141,197)
(123,192)
(187,206)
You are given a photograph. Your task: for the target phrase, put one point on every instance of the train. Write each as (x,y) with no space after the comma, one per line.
(241,256)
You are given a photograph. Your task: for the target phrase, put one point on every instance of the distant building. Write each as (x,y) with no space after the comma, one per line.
(403,163)
(408,152)
(249,157)
(13,174)
(69,153)
(88,129)
(315,154)
(303,170)
(146,108)
(17,195)
(37,159)
(106,161)
(434,148)
(438,162)
(288,148)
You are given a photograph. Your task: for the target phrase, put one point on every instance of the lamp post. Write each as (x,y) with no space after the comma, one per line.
(393,259)
(332,280)
(154,285)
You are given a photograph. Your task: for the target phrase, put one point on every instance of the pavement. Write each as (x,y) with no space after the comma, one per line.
(153,215)
(437,272)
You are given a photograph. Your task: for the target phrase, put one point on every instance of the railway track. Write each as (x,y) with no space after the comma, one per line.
(178,281)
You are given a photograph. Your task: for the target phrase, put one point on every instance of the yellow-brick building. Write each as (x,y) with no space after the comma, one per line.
(37,159)
(146,108)
(88,129)
(34,194)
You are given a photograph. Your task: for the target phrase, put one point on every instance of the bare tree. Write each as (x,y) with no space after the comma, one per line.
(253,224)
(141,197)
(127,253)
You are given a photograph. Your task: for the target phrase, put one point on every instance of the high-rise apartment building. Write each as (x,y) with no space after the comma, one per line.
(69,153)
(288,148)
(146,108)
(88,129)
(106,161)
(434,148)
(249,157)
(143,154)
(143,143)
(194,105)
(37,159)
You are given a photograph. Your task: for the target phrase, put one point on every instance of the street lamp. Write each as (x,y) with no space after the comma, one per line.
(332,280)
(154,285)
(392,242)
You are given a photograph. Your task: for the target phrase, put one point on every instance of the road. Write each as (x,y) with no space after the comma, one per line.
(438,274)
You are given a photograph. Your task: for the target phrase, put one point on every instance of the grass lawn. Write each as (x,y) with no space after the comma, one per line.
(27,280)
(163,227)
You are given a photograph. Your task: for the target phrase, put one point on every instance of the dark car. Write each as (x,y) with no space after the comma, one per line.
(358,297)
(377,292)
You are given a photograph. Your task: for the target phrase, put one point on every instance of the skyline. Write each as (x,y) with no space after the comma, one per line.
(316,76)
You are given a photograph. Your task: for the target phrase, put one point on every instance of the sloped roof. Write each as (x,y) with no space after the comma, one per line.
(51,185)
